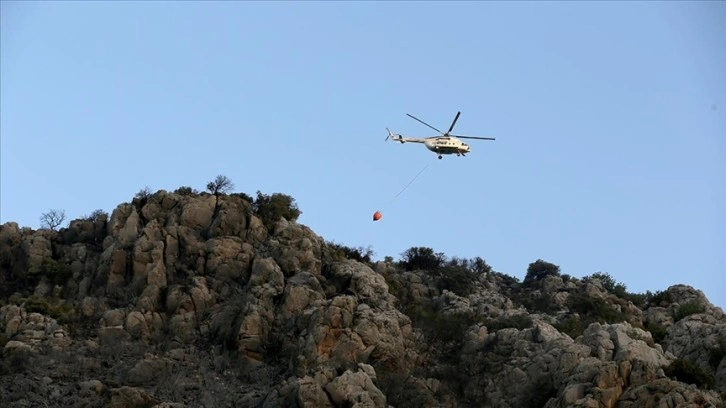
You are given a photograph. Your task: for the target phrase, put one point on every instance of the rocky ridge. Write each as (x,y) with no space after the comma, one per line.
(193,300)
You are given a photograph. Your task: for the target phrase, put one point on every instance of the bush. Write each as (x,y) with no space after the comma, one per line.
(53,308)
(688,372)
(480,266)
(402,390)
(609,284)
(359,254)
(443,332)
(595,308)
(717,353)
(186,191)
(422,258)
(457,279)
(508,281)
(688,309)
(243,196)
(16,361)
(143,194)
(519,322)
(538,270)
(270,208)
(658,331)
(638,299)
(98,215)
(572,326)
(57,272)
(141,198)
(659,298)
(543,302)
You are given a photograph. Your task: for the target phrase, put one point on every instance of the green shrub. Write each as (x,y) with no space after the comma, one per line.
(542,302)
(638,299)
(597,308)
(539,392)
(49,307)
(97,215)
(243,196)
(270,208)
(717,353)
(477,265)
(538,270)
(396,288)
(141,198)
(401,390)
(143,194)
(422,258)
(444,332)
(508,281)
(57,272)
(609,284)
(658,331)
(456,279)
(16,361)
(659,298)
(359,254)
(589,310)
(480,266)
(688,309)
(186,191)
(572,326)
(520,322)
(688,372)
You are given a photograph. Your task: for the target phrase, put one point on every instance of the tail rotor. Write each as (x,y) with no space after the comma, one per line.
(393,136)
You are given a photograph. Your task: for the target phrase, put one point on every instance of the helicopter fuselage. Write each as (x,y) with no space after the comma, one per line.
(447,145)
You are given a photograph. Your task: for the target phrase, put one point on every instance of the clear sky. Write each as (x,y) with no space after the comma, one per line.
(609,118)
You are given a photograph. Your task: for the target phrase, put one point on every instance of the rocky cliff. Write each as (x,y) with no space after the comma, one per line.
(193,301)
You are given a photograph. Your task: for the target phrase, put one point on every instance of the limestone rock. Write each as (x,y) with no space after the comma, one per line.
(186,299)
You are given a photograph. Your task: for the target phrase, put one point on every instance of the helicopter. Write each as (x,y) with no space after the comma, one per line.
(444,144)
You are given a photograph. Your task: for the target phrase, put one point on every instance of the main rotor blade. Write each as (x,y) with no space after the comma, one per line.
(425,123)
(473,137)
(454,122)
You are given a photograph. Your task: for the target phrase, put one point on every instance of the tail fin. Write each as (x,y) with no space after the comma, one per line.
(393,136)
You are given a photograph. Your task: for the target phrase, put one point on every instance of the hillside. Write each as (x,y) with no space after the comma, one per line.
(211,300)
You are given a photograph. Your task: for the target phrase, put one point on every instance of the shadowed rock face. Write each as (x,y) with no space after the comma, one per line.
(177,301)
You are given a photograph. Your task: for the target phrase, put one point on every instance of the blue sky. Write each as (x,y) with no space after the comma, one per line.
(610,120)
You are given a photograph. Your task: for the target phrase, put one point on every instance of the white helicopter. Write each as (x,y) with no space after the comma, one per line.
(444,144)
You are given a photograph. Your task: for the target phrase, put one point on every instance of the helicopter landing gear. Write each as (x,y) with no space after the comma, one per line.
(440,157)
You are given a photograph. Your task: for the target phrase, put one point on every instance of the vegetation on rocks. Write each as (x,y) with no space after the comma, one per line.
(218,298)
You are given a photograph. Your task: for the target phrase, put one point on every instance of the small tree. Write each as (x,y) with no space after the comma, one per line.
(143,194)
(540,269)
(479,265)
(220,185)
(271,207)
(52,219)
(609,283)
(186,191)
(422,258)
(97,215)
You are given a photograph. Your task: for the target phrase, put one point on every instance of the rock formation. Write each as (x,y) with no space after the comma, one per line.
(194,301)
